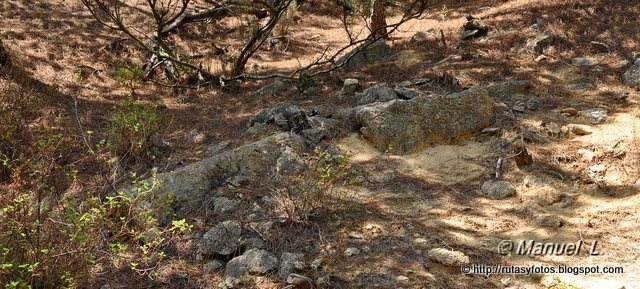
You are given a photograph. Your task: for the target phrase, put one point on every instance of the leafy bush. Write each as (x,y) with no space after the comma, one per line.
(49,243)
(134,127)
(314,191)
(51,232)
(129,75)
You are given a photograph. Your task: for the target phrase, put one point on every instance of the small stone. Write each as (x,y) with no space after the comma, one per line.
(541,58)
(212,266)
(430,35)
(350,86)
(599,47)
(351,252)
(586,154)
(299,282)
(519,106)
(289,162)
(541,42)
(448,257)
(596,115)
(538,25)
(490,130)
(584,61)
(217,148)
(468,34)
(223,204)
(632,75)
(402,279)
(580,129)
(406,93)
(420,241)
(222,239)
(366,249)
(322,281)
(533,104)
(291,263)
(549,221)
(356,236)
(598,169)
(498,190)
(317,264)
(570,111)
(552,128)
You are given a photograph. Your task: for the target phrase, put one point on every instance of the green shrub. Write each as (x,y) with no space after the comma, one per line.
(315,191)
(129,75)
(133,129)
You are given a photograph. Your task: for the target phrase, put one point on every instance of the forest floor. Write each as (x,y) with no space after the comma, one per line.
(409,204)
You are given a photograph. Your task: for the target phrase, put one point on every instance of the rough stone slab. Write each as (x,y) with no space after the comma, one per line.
(407,126)
(190,183)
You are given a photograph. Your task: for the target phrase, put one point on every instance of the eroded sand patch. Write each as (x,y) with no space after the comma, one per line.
(448,163)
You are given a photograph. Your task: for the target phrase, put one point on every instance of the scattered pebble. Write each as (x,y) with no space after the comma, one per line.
(351,252)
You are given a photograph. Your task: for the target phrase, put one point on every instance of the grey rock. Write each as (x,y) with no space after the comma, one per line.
(193,182)
(291,263)
(402,280)
(490,130)
(580,129)
(447,257)
(541,42)
(252,243)
(541,58)
(498,189)
(569,111)
(552,128)
(289,162)
(520,106)
(257,128)
(406,93)
(279,87)
(549,221)
(533,104)
(366,53)
(324,110)
(503,89)
(212,266)
(217,148)
(539,25)
(599,47)
(474,28)
(406,126)
(317,264)
(349,252)
(468,34)
(595,115)
(223,204)
(475,24)
(632,75)
(350,86)
(222,239)
(532,136)
(240,271)
(587,155)
(378,93)
(584,61)
(430,35)
(287,115)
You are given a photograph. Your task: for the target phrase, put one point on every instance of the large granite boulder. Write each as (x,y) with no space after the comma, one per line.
(407,126)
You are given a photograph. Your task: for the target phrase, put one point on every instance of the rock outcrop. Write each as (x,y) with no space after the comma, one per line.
(406,126)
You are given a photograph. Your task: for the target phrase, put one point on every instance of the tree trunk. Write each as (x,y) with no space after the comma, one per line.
(378,18)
